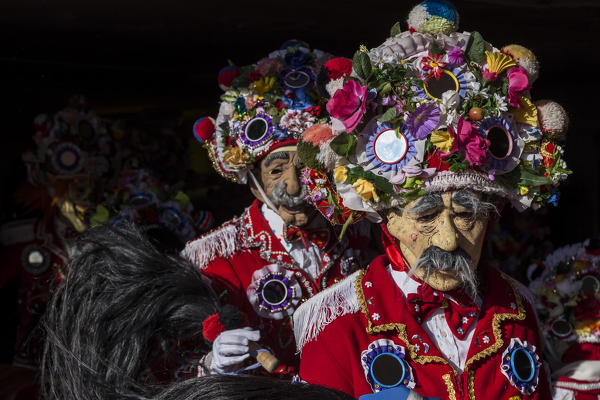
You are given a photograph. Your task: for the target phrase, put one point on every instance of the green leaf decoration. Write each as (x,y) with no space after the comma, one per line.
(384,88)
(182,199)
(343,145)
(362,64)
(380,183)
(308,153)
(396,29)
(476,47)
(435,49)
(389,115)
(529,178)
(100,216)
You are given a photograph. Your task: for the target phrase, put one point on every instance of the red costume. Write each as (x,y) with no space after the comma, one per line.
(245,259)
(343,331)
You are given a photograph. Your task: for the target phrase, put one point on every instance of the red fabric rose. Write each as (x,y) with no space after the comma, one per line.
(435,160)
(338,67)
(280,105)
(349,104)
(227,75)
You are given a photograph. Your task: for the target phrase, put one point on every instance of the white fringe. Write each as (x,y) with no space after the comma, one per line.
(311,318)
(222,242)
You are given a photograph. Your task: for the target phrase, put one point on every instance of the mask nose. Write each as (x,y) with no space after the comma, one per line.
(446,237)
(292,184)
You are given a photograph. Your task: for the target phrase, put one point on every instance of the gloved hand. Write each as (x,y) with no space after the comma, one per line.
(230,348)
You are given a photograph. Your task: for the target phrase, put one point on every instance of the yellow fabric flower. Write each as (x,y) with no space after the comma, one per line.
(263,85)
(236,157)
(527,114)
(442,140)
(340,174)
(365,189)
(498,62)
(523,190)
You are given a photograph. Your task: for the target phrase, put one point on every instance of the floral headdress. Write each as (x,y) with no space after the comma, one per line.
(430,110)
(267,105)
(567,294)
(142,200)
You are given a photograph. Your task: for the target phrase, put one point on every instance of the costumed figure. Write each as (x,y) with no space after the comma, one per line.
(280,252)
(74,160)
(567,293)
(125,315)
(434,131)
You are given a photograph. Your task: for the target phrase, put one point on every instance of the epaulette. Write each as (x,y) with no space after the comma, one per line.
(311,318)
(223,241)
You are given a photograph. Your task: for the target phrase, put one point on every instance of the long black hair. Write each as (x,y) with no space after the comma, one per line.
(122,313)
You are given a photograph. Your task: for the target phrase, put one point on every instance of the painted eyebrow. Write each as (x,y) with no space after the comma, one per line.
(280,155)
(426,203)
(466,199)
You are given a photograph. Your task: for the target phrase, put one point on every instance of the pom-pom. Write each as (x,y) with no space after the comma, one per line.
(204,129)
(212,327)
(227,75)
(338,67)
(437,17)
(524,58)
(317,134)
(231,317)
(554,121)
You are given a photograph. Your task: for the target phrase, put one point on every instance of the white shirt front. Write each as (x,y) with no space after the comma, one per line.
(454,349)
(309,260)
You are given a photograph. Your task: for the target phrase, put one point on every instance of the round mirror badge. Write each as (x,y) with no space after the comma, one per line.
(385,366)
(256,132)
(274,292)
(35,259)
(521,365)
(389,147)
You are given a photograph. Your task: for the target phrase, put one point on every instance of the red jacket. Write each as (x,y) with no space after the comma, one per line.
(231,254)
(343,330)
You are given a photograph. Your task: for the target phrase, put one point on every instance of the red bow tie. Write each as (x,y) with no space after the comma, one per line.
(460,317)
(320,238)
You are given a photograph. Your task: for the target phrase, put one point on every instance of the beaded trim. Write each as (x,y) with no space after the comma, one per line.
(449,386)
(498,318)
(401,328)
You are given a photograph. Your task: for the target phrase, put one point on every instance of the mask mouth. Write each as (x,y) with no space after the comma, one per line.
(456,262)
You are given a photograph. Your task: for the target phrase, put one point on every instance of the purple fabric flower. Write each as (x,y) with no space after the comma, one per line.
(455,56)
(423,120)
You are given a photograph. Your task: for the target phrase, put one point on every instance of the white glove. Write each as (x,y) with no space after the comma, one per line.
(230,348)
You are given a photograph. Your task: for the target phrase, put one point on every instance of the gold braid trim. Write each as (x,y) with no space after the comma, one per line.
(471,385)
(449,386)
(496,329)
(401,328)
(232,177)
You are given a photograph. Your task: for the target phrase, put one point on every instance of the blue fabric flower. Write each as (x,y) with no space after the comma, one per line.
(297,58)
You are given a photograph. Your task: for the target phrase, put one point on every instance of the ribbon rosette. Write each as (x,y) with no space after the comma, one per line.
(274,292)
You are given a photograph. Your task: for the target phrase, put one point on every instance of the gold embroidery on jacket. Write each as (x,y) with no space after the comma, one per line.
(449,386)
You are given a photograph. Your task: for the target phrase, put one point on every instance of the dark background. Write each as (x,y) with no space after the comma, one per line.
(156,62)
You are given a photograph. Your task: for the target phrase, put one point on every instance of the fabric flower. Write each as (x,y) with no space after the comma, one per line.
(496,64)
(297,59)
(443,140)
(340,174)
(470,142)
(263,85)
(434,65)
(423,120)
(455,56)
(338,67)
(317,134)
(236,157)
(365,189)
(517,84)
(349,104)
(227,75)
(266,65)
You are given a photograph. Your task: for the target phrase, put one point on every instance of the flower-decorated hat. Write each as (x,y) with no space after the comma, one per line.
(433,109)
(268,105)
(566,287)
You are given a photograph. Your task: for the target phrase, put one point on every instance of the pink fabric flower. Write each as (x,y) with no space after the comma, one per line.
(491,76)
(266,65)
(473,145)
(517,84)
(349,104)
(455,56)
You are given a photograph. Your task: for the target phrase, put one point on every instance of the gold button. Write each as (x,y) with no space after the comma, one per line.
(444,334)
